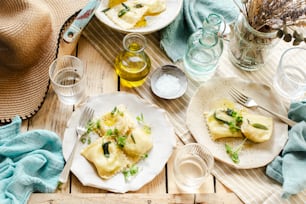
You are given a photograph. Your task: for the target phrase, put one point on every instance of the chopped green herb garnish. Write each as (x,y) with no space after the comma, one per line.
(109,132)
(105,149)
(259,126)
(147,129)
(105,10)
(133,139)
(121,140)
(144,156)
(125,6)
(138,6)
(129,172)
(140,118)
(114,111)
(123,11)
(116,131)
(234,153)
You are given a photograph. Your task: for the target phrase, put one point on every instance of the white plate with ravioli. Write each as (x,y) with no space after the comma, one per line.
(252,155)
(134,15)
(161,130)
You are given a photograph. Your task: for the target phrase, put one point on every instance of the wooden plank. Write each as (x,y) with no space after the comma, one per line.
(139,198)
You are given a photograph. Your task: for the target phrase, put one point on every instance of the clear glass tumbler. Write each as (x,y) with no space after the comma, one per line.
(192,164)
(67,78)
(290,78)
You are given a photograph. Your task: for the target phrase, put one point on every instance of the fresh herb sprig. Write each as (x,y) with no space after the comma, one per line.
(234,153)
(130,172)
(140,120)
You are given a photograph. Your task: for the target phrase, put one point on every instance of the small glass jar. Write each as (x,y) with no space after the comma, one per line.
(204,50)
(132,64)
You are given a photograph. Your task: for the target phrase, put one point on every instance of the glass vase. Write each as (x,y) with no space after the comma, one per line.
(249,48)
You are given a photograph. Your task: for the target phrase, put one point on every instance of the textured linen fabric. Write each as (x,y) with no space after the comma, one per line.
(29,162)
(174,37)
(289,168)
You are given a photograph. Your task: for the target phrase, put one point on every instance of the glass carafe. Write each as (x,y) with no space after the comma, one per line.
(205,47)
(133,64)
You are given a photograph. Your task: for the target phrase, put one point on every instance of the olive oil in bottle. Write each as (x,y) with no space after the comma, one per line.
(133,65)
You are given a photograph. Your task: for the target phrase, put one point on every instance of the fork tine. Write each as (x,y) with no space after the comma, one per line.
(238,96)
(86,116)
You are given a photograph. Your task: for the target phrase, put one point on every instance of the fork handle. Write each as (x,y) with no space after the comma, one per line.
(281,117)
(65,173)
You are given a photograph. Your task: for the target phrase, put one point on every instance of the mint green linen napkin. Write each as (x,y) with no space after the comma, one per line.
(289,168)
(174,37)
(29,162)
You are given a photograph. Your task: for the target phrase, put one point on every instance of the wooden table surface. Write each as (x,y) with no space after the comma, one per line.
(53,115)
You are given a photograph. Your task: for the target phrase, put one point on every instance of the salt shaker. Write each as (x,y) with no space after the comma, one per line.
(204,50)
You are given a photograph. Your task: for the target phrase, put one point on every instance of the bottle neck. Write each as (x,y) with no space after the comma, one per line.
(209,38)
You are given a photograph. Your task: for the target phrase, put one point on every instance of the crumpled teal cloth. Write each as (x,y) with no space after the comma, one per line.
(29,162)
(289,168)
(174,37)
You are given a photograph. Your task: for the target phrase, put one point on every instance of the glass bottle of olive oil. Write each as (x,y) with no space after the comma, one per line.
(133,64)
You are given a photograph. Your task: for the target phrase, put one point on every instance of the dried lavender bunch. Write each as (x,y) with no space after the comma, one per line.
(282,15)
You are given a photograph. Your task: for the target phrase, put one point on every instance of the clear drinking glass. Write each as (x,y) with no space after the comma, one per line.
(192,164)
(290,77)
(67,78)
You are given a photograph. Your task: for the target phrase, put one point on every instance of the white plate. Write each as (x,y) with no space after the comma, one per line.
(163,135)
(154,23)
(252,155)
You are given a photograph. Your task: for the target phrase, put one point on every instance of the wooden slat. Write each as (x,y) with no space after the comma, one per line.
(139,198)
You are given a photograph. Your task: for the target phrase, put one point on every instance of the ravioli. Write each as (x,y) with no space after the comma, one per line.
(122,142)
(106,166)
(219,129)
(138,143)
(129,14)
(229,122)
(129,17)
(118,119)
(257,128)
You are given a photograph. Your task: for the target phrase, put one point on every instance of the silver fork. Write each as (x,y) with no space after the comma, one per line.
(86,116)
(249,103)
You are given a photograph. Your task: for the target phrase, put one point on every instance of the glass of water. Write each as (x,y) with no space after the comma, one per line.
(192,164)
(290,78)
(67,79)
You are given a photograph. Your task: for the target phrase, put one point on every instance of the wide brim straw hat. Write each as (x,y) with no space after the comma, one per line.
(29,33)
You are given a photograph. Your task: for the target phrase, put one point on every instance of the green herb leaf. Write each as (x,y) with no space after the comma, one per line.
(234,154)
(260,126)
(114,110)
(105,10)
(109,132)
(123,11)
(129,172)
(138,6)
(105,149)
(140,118)
(121,140)
(133,139)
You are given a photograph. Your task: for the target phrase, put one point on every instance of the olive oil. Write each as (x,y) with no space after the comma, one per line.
(133,65)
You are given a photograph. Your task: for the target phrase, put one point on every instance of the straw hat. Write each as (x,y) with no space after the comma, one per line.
(29,31)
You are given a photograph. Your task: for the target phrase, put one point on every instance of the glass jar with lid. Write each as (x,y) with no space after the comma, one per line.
(132,64)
